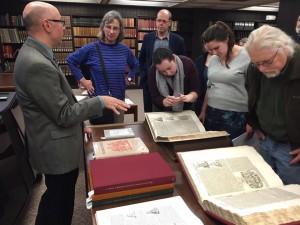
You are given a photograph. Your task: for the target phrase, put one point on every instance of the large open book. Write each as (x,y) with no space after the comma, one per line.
(163,212)
(238,186)
(178,126)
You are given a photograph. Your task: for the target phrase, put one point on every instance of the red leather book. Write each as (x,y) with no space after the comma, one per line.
(129,172)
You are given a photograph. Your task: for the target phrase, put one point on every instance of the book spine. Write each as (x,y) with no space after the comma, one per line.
(133,192)
(131,197)
(135,185)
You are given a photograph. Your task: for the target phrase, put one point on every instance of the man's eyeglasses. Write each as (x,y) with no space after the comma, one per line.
(58,21)
(267,62)
(162,21)
(115,29)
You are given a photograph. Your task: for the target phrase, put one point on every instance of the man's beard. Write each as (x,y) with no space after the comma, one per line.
(272,74)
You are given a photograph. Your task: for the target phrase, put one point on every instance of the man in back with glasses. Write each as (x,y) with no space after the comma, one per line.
(273,85)
(162,37)
(53,117)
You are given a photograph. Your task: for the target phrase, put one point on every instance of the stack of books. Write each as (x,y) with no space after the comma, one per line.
(130,177)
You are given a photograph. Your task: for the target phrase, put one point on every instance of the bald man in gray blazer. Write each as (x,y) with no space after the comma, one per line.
(53,117)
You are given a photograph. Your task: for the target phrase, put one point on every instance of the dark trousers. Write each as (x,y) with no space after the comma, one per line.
(57,203)
(147,98)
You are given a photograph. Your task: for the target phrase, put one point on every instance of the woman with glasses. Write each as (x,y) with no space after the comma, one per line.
(225,103)
(117,57)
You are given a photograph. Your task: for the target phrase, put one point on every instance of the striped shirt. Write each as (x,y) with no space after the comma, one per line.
(116,57)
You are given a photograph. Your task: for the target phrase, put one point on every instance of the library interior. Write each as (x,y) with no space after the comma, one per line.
(130,161)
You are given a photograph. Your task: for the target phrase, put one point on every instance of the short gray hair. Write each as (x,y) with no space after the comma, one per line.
(270,37)
(108,18)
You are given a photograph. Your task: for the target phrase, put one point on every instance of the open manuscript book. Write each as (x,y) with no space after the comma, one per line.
(178,126)
(237,186)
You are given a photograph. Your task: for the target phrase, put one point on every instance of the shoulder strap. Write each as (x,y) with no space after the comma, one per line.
(103,67)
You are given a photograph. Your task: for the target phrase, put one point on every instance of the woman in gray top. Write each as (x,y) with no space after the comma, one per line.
(225,103)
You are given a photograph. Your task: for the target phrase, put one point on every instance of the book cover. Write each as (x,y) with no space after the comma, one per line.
(178,126)
(129,172)
(126,198)
(119,147)
(237,185)
(118,133)
(171,210)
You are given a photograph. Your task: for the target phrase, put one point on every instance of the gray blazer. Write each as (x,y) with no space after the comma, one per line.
(53,117)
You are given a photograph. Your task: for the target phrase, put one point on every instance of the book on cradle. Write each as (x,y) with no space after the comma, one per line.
(178,126)
(119,147)
(171,210)
(237,186)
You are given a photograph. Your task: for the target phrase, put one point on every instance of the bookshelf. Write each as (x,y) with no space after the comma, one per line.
(13,35)
(242,29)
(183,27)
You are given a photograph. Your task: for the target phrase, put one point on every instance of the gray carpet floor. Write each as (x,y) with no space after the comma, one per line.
(82,216)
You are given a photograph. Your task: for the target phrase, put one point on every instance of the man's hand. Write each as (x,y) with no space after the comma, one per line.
(114,104)
(295,153)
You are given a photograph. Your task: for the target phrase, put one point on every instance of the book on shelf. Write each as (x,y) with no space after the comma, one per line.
(129,172)
(119,147)
(118,133)
(132,197)
(171,210)
(237,186)
(178,126)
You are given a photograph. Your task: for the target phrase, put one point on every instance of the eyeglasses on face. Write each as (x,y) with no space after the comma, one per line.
(162,21)
(266,62)
(115,29)
(58,21)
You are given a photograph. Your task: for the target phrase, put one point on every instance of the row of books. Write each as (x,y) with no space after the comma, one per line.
(93,21)
(7,20)
(129,42)
(61,57)
(146,24)
(85,31)
(65,46)
(9,52)
(66,70)
(12,35)
(244,26)
(79,42)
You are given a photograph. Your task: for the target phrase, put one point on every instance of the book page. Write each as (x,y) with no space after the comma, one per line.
(273,206)
(261,198)
(227,171)
(119,147)
(167,211)
(177,126)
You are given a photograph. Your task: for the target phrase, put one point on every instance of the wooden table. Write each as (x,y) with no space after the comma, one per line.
(181,186)
(6,82)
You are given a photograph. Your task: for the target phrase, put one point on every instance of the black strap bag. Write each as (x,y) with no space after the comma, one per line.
(108,115)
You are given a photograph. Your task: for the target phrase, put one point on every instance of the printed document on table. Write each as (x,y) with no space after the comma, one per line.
(165,211)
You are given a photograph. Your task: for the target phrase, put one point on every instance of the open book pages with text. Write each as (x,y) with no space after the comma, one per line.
(119,147)
(178,126)
(163,212)
(236,184)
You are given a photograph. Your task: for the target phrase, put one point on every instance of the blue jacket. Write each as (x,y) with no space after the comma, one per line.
(176,44)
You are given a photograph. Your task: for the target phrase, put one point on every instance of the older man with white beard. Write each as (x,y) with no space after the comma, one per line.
(273,85)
